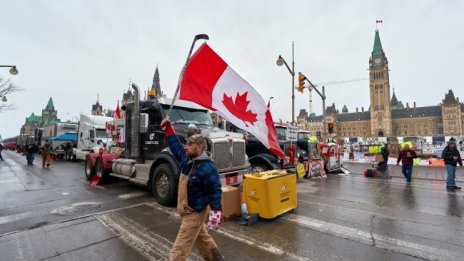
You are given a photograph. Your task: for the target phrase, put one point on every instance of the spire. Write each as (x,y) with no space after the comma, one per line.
(377,50)
(50,104)
(156,83)
(98,98)
(394,100)
(449,98)
(344,109)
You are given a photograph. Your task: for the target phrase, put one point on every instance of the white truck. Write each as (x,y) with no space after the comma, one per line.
(90,135)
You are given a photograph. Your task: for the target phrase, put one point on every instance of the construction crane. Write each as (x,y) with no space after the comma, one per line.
(310,88)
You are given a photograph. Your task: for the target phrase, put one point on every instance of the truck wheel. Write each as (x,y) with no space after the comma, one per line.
(259,168)
(88,169)
(164,185)
(100,171)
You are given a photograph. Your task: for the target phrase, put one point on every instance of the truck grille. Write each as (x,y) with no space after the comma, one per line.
(238,156)
(222,154)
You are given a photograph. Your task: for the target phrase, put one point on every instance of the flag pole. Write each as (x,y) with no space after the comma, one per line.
(197,37)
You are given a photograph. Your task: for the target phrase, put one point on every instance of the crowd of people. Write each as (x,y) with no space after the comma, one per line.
(47,152)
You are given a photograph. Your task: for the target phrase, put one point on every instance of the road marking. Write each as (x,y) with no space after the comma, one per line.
(373,239)
(66,209)
(15,217)
(147,243)
(132,195)
(11,180)
(75,207)
(240,238)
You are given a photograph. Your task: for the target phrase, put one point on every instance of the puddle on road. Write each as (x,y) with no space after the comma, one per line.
(76,207)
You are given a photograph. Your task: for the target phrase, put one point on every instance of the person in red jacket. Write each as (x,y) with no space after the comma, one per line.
(406,155)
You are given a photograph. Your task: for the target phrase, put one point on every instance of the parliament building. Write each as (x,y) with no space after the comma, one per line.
(386,116)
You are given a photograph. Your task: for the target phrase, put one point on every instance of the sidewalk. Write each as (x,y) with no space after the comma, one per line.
(418,172)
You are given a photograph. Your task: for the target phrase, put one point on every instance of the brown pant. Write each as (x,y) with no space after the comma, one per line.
(193,231)
(46,159)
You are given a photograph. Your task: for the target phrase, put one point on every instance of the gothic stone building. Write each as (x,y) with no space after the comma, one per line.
(48,117)
(388,117)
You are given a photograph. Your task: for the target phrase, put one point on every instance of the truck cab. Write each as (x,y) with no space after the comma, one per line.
(91,134)
(262,159)
(147,159)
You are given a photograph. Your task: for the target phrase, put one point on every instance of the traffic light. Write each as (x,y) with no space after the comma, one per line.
(301,80)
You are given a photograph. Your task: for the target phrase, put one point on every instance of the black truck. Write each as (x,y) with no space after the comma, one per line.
(147,159)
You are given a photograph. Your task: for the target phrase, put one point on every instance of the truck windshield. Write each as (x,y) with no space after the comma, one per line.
(101,133)
(188,116)
(281,132)
(303,135)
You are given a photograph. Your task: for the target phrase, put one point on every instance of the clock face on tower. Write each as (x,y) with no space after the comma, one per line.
(377,61)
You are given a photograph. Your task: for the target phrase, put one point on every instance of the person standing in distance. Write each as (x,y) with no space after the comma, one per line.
(47,151)
(1,148)
(451,157)
(406,155)
(385,152)
(199,189)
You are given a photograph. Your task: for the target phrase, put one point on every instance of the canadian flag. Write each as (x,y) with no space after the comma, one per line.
(117,113)
(211,83)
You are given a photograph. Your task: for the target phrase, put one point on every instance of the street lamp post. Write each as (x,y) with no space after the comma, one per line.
(281,61)
(13,70)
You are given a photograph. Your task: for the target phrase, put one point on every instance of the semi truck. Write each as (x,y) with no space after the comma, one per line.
(146,158)
(91,135)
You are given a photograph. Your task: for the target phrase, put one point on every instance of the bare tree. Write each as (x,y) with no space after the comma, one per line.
(6,88)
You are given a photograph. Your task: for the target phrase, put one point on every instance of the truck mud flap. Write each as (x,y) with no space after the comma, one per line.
(95,181)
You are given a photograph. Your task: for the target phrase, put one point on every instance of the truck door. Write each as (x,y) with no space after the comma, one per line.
(153,140)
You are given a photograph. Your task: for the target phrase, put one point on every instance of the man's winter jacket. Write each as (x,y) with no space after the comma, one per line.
(448,155)
(204,186)
(403,157)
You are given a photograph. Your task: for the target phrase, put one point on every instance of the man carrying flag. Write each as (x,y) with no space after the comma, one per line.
(208,81)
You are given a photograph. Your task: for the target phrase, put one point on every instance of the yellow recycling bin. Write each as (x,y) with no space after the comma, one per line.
(270,193)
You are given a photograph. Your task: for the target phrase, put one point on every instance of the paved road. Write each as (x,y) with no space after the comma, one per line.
(53,214)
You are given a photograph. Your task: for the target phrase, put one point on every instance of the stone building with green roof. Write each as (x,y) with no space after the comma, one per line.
(48,117)
(387,116)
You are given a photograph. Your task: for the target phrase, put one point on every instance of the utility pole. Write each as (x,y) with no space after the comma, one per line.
(301,79)
(310,101)
(293,84)
(324,133)
(281,61)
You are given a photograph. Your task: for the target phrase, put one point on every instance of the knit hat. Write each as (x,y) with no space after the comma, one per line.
(452,140)
(198,139)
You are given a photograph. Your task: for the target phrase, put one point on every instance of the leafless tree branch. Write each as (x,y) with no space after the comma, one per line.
(7,88)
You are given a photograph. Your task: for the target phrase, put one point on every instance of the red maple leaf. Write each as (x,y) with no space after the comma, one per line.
(239,108)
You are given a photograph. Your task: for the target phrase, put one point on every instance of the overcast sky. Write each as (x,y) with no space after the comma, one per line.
(76,49)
